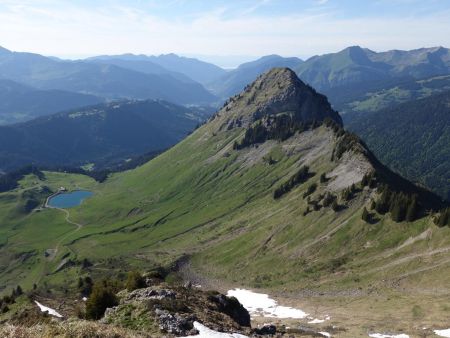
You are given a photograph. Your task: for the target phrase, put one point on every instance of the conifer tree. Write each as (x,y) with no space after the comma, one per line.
(135,281)
(102,297)
(411,212)
(365,215)
(397,211)
(335,205)
(444,218)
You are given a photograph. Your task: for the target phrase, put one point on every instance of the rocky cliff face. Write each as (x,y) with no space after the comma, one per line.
(279,91)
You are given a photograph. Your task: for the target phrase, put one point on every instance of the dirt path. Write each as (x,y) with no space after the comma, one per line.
(55,250)
(67,219)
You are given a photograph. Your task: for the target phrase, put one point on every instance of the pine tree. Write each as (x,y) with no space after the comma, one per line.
(135,281)
(444,218)
(328,199)
(365,180)
(102,297)
(411,212)
(383,203)
(398,207)
(365,215)
(335,205)
(347,194)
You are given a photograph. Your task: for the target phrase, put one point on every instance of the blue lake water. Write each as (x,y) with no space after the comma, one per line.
(69,199)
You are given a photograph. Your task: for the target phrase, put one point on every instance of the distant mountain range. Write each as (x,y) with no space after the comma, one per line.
(355,65)
(102,134)
(199,71)
(346,77)
(19,102)
(104,80)
(412,138)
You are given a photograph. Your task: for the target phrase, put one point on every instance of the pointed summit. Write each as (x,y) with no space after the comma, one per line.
(278,91)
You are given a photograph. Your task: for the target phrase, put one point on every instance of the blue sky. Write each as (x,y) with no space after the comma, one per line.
(218,30)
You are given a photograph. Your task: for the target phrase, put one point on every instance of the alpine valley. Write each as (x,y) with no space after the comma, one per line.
(271,194)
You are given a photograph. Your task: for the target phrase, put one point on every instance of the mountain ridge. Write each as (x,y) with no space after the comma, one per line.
(356,64)
(197,70)
(19,102)
(103,80)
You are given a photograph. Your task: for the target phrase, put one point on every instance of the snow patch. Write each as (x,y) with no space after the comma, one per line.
(50,311)
(259,304)
(205,332)
(443,333)
(380,335)
(316,321)
(326,334)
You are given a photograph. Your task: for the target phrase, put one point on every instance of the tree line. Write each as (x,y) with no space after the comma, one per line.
(279,128)
(10,180)
(301,176)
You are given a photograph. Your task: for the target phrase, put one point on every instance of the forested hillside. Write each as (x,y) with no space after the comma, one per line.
(412,138)
(101,135)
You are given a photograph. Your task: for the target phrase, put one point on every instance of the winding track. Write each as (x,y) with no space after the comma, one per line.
(52,256)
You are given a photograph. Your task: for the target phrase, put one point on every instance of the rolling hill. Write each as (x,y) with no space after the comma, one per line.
(19,103)
(413,138)
(270,194)
(104,80)
(102,134)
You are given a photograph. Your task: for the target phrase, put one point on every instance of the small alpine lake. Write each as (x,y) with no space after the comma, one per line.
(69,199)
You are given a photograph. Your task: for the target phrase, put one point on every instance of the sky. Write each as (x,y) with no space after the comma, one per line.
(226,32)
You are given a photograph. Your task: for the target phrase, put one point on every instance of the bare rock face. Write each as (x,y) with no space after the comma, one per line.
(231,307)
(180,325)
(279,91)
(172,310)
(150,293)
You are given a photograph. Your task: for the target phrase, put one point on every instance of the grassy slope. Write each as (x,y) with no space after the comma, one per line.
(205,199)
(24,237)
(222,211)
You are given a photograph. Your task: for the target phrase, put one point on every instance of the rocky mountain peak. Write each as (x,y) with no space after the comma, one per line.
(278,91)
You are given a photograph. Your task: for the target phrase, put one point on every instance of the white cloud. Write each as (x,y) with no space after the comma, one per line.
(55,29)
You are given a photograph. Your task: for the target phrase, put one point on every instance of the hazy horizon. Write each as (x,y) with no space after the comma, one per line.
(223,61)
(241,31)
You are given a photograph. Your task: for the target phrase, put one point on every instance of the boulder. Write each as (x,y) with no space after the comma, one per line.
(232,307)
(180,325)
